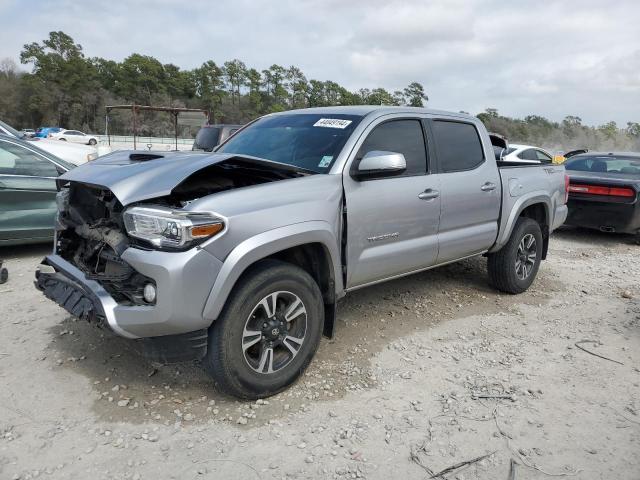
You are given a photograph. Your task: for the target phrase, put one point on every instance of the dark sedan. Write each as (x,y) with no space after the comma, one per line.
(604,191)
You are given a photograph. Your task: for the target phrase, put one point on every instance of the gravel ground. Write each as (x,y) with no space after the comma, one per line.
(425,372)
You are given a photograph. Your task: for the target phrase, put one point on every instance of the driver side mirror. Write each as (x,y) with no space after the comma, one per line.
(378,163)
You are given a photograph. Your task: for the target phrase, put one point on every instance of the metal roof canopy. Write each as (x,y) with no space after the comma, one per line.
(175,111)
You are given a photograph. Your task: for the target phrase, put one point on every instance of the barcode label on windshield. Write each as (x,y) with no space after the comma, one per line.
(332,123)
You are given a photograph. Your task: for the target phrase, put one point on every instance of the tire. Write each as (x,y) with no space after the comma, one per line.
(502,265)
(62,139)
(92,141)
(244,372)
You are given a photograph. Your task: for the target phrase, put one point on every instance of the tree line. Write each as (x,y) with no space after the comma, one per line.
(66,88)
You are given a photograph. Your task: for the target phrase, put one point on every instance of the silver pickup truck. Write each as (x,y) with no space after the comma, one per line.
(237,258)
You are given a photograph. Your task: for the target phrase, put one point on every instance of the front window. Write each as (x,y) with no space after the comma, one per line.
(309,141)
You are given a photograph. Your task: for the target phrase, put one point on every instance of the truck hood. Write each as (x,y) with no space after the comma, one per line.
(135,176)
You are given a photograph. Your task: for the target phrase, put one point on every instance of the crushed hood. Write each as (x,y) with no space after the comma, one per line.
(135,176)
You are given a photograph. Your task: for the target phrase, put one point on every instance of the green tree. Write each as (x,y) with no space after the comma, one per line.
(414,93)
(235,72)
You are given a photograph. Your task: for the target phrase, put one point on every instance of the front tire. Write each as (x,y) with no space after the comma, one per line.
(267,333)
(92,142)
(513,268)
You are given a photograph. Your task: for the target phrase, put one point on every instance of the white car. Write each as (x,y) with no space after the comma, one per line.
(526,154)
(76,154)
(75,136)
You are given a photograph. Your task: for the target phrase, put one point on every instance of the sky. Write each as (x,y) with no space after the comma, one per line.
(549,58)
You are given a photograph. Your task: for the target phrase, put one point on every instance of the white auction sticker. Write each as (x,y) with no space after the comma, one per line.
(332,123)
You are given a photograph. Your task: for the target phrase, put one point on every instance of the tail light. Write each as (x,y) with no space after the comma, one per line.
(566,188)
(600,190)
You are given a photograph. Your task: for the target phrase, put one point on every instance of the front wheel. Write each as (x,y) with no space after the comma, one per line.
(513,268)
(92,141)
(267,333)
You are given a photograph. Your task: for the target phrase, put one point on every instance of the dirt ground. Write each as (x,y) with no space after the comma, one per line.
(425,372)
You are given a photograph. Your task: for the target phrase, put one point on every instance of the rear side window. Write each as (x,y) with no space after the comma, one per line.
(399,136)
(529,154)
(543,157)
(458,145)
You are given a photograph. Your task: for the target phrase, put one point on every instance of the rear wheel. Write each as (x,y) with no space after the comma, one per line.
(513,268)
(267,333)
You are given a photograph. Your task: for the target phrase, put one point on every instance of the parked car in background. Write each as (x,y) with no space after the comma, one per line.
(72,153)
(210,136)
(75,136)
(44,132)
(75,154)
(27,191)
(28,132)
(526,154)
(238,257)
(604,191)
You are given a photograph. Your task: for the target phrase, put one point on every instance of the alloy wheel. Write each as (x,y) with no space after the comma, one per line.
(274,332)
(526,256)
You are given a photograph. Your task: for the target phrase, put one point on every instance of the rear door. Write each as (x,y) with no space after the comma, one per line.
(470,189)
(27,193)
(392,222)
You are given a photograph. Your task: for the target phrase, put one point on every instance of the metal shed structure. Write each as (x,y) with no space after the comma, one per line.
(135,109)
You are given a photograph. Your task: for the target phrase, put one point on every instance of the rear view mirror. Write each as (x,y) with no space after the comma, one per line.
(378,163)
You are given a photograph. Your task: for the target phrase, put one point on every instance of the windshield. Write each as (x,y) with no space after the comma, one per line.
(207,138)
(309,141)
(11,130)
(605,164)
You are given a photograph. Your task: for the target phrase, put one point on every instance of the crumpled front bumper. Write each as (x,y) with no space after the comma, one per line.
(183,281)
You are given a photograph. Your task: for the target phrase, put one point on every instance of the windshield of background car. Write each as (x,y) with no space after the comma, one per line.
(207,138)
(309,141)
(629,166)
(11,130)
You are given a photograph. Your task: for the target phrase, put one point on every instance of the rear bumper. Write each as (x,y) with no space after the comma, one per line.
(183,282)
(605,216)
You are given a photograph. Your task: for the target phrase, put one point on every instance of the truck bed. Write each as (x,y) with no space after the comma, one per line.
(524,184)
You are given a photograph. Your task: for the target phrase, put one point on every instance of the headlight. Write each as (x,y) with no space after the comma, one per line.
(92,156)
(167,228)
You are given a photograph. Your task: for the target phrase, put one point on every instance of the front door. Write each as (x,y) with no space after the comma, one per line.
(27,194)
(392,222)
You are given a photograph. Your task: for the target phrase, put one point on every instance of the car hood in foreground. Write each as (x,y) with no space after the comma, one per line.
(134,176)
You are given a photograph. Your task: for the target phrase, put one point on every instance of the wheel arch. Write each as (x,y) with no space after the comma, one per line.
(311,246)
(536,206)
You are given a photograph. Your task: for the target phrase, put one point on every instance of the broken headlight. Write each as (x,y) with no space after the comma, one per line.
(167,228)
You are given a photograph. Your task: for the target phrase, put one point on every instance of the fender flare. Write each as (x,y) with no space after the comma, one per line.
(523,202)
(261,246)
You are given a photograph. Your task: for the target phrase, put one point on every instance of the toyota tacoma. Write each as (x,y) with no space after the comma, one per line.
(237,258)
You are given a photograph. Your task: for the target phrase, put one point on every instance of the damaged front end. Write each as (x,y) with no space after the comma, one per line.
(90,234)
(125,244)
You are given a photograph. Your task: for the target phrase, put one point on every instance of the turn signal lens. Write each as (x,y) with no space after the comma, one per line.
(201,231)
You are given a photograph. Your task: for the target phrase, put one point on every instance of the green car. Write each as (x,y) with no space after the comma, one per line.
(27,192)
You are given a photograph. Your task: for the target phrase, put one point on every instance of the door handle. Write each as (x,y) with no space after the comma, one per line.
(429,194)
(487,187)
